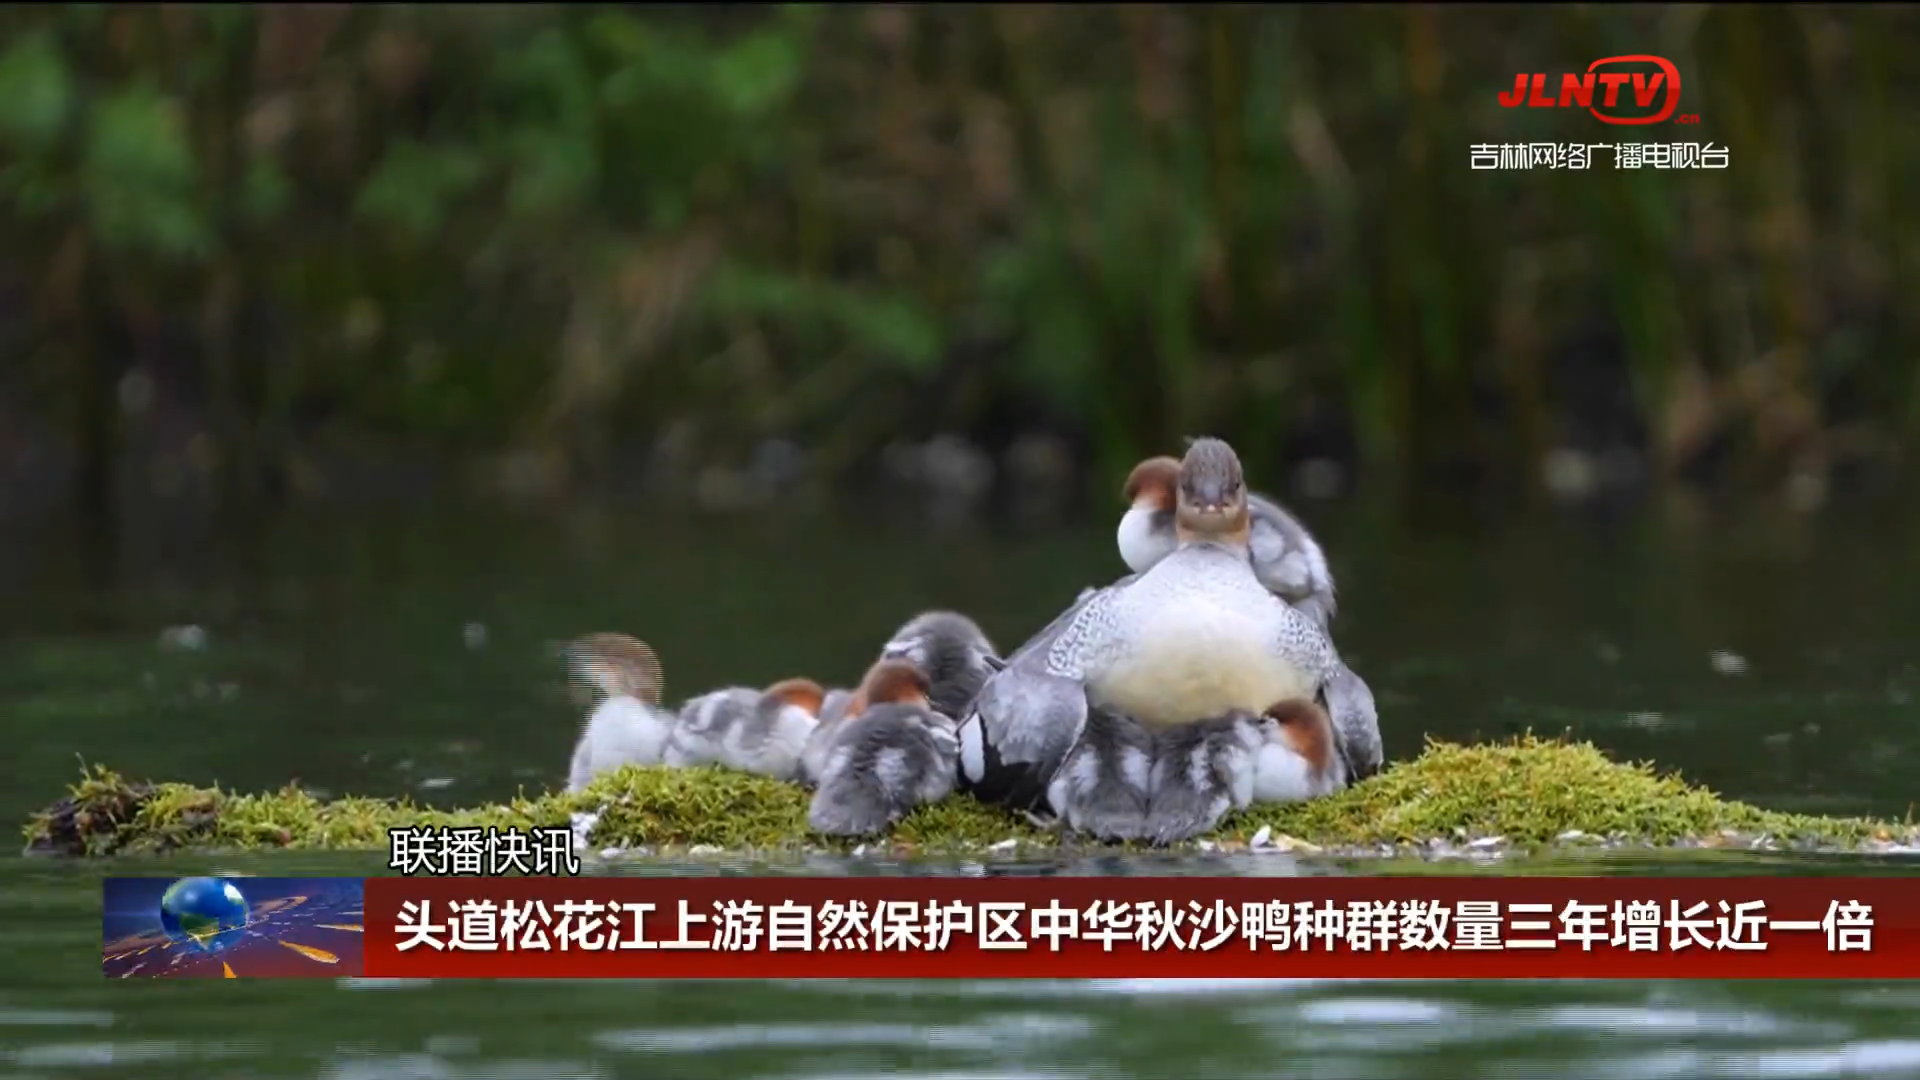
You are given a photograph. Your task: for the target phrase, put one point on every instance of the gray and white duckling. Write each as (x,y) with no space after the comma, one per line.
(948,648)
(893,751)
(621,677)
(763,732)
(1288,561)
(1201,771)
(834,709)
(1103,786)
(1195,636)
(952,652)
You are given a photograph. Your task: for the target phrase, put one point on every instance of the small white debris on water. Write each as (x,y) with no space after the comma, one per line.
(183,639)
(1486,842)
(436,783)
(1728,663)
(705,849)
(859,851)
(1263,838)
(611,853)
(1008,844)
(1571,835)
(1207,845)
(475,635)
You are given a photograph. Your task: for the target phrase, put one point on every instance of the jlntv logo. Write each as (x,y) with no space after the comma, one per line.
(1598,91)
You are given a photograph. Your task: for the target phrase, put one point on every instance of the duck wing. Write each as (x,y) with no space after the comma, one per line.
(1289,561)
(1029,713)
(1356,722)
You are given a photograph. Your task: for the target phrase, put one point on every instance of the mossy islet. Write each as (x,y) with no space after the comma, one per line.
(1527,793)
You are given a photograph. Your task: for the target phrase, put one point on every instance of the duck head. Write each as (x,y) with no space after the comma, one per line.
(803,694)
(614,665)
(1304,728)
(1211,497)
(1153,485)
(891,682)
(1146,529)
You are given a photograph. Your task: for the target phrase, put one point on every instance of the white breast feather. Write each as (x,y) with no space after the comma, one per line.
(1280,775)
(1140,546)
(1194,658)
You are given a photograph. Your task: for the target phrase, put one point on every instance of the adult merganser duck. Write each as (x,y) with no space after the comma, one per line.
(627,726)
(1195,636)
(952,652)
(1203,770)
(1286,557)
(1198,633)
(758,731)
(892,752)
(1287,560)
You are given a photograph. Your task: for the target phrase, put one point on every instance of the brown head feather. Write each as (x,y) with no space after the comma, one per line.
(805,693)
(894,682)
(1158,479)
(617,665)
(1307,729)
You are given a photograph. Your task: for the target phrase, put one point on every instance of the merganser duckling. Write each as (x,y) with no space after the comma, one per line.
(764,732)
(627,726)
(834,709)
(1203,770)
(1195,636)
(892,752)
(952,652)
(1287,560)
(1103,786)
(948,648)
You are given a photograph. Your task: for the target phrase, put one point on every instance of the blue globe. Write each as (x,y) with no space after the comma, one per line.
(203,912)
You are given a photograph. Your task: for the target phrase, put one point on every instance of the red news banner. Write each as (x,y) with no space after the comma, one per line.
(796,928)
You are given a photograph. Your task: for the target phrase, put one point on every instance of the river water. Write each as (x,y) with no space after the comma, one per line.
(1767,655)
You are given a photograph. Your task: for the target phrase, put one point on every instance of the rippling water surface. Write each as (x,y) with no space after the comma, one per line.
(1773,659)
(58,1017)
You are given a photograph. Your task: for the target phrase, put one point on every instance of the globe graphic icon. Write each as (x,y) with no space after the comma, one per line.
(203,912)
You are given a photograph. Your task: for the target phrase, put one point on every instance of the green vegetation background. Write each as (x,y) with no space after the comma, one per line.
(551,228)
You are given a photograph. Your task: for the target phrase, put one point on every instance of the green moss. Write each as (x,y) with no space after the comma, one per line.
(1534,791)
(1528,792)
